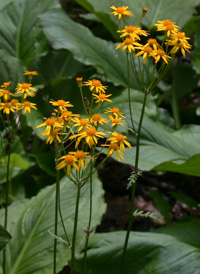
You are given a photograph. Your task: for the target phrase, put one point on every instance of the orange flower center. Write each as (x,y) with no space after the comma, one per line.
(152,41)
(69,159)
(116,120)
(147,49)
(167,22)
(80,154)
(6,84)
(91,131)
(160,52)
(14,101)
(55,132)
(181,35)
(169,27)
(61,103)
(27,104)
(50,122)
(128,41)
(114,146)
(8,105)
(83,122)
(60,119)
(25,85)
(96,83)
(130,29)
(5,92)
(79,79)
(180,45)
(120,10)
(102,96)
(120,137)
(115,110)
(96,117)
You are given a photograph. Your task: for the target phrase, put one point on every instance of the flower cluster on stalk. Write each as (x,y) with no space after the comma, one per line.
(15,102)
(77,137)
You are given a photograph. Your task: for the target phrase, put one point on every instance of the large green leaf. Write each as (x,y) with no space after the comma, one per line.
(147,252)
(4,237)
(178,11)
(21,35)
(196,56)
(31,249)
(63,33)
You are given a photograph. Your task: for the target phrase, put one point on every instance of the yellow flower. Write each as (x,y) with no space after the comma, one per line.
(53,135)
(183,46)
(119,139)
(68,161)
(159,53)
(146,51)
(115,111)
(179,41)
(7,107)
(67,115)
(6,94)
(31,73)
(81,156)
(152,43)
(25,89)
(133,32)
(61,104)
(113,147)
(116,121)
(97,119)
(6,84)
(121,11)
(168,26)
(129,44)
(81,123)
(90,135)
(27,106)
(50,124)
(96,85)
(102,97)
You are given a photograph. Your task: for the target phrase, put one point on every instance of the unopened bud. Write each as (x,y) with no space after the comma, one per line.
(44,119)
(79,81)
(144,11)
(53,114)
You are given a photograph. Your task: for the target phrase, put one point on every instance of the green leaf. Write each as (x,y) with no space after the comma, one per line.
(196,55)
(63,33)
(161,204)
(4,237)
(32,220)
(11,68)
(18,164)
(147,253)
(21,35)
(178,11)
(191,26)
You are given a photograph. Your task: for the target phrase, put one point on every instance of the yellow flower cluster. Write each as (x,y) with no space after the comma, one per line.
(131,37)
(82,132)
(9,104)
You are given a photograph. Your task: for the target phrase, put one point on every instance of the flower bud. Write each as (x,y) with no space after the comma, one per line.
(79,81)
(144,11)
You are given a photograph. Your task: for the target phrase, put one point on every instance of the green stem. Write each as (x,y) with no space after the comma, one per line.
(6,208)
(56,212)
(88,230)
(129,93)
(134,185)
(175,110)
(75,230)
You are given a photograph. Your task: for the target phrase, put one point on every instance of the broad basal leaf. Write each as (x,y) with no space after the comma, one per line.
(178,11)
(4,237)
(147,253)
(63,33)
(31,249)
(21,35)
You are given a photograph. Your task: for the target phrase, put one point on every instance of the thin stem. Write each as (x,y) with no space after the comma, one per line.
(134,185)
(56,212)
(175,110)
(129,93)
(81,91)
(75,230)
(89,230)
(6,208)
